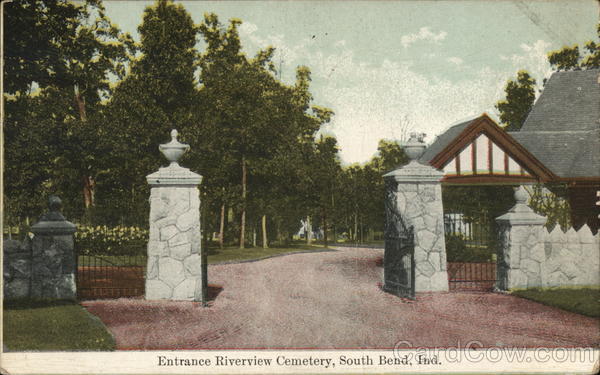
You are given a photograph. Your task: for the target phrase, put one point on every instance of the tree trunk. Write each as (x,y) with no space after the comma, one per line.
(325,228)
(265,240)
(362,231)
(80,101)
(334,234)
(88,181)
(89,191)
(355,227)
(243,218)
(308,231)
(222,227)
(254,235)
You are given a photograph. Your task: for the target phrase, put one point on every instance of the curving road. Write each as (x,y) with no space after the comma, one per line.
(333,300)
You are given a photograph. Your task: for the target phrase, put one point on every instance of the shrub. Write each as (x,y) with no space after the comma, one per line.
(457,250)
(103,240)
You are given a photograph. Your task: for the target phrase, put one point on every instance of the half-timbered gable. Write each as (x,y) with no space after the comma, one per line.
(477,151)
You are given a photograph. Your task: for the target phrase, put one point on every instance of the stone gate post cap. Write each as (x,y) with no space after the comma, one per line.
(174,174)
(53,222)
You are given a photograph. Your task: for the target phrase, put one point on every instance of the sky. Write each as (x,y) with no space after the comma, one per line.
(387,68)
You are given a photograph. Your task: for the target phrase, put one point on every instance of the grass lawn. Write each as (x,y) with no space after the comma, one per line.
(112,260)
(232,254)
(53,325)
(215,255)
(584,301)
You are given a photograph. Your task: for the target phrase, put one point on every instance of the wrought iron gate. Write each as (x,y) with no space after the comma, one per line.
(110,276)
(471,251)
(399,254)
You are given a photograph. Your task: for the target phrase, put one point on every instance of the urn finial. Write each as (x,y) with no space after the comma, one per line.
(415,146)
(521,195)
(174,149)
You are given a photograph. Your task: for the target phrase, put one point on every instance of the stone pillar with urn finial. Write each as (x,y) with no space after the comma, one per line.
(521,249)
(417,199)
(174,261)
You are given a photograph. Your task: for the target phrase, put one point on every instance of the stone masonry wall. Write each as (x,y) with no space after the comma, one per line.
(421,205)
(43,267)
(17,268)
(533,257)
(174,261)
(571,258)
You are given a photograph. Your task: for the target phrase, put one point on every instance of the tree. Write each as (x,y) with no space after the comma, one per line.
(520,95)
(34,32)
(158,94)
(66,51)
(252,118)
(569,58)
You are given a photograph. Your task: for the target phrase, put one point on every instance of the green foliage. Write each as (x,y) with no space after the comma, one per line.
(579,300)
(569,58)
(390,156)
(552,204)
(157,95)
(520,95)
(488,201)
(103,240)
(361,193)
(68,50)
(262,132)
(53,325)
(92,140)
(458,250)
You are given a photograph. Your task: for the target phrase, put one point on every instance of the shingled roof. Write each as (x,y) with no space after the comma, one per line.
(570,101)
(568,154)
(563,128)
(442,140)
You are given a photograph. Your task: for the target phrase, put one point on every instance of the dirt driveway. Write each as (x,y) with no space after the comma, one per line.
(333,300)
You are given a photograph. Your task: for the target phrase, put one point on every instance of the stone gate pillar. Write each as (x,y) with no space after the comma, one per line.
(520,246)
(419,202)
(174,262)
(52,255)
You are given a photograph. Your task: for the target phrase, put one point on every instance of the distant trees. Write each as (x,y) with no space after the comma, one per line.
(265,128)
(360,207)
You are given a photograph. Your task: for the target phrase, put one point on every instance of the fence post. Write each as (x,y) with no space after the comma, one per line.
(53,256)
(174,261)
(520,245)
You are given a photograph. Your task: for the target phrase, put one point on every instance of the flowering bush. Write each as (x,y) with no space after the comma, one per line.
(103,240)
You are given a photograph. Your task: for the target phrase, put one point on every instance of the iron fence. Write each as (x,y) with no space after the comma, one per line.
(110,276)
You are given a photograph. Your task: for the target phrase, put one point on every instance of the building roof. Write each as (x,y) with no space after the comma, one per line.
(563,128)
(444,139)
(568,154)
(570,101)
